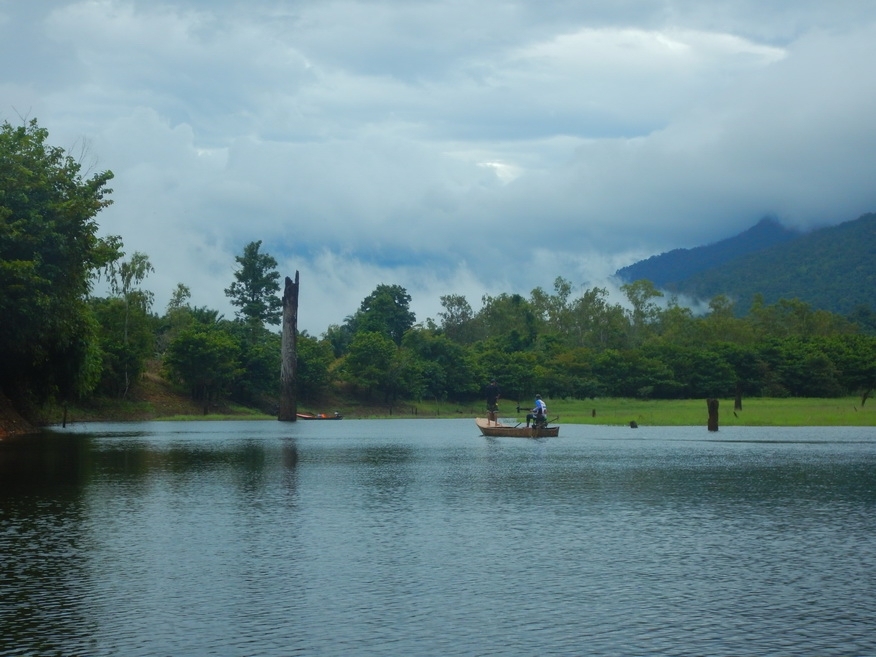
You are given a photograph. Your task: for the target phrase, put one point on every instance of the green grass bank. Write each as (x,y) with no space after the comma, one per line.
(789,412)
(775,412)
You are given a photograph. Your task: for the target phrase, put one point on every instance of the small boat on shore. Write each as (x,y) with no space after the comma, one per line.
(319,416)
(499,430)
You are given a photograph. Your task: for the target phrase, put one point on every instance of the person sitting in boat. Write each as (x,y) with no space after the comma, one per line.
(538,416)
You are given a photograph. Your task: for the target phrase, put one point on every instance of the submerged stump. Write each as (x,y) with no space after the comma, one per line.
(289,353)
(712,405)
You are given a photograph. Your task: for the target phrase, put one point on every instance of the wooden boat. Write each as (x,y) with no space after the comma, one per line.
(499,430)
(319,416)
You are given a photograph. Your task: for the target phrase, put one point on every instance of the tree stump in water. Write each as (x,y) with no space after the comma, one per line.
(289,353)
(712,405)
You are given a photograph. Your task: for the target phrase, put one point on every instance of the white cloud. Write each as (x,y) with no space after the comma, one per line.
(445,146)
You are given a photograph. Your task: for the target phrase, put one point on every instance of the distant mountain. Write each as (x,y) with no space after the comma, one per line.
(832,268)
(680,264)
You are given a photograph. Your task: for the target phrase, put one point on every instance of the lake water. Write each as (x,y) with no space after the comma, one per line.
(420,537)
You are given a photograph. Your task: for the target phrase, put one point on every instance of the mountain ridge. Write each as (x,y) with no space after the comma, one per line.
(831,268)
(680,264)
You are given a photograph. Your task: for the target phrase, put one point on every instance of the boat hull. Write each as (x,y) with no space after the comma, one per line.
(308,416)
(499,430)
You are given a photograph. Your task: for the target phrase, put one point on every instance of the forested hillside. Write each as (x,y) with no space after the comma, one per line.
(680,264)
(831,268)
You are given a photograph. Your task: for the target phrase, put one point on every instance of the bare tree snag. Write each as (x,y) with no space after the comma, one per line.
(713,413)
(289,355)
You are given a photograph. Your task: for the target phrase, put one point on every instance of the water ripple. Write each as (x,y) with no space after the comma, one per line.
(418,538)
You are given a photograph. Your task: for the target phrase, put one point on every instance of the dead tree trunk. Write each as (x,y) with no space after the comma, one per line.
(289,355)
(737,403)
(713,413)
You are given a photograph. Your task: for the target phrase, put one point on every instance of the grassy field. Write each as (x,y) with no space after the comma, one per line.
(846,411)
(692,412)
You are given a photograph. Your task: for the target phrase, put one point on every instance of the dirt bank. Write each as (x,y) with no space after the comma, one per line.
(10,421)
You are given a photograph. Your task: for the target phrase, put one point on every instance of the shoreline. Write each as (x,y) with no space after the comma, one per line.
(762,411)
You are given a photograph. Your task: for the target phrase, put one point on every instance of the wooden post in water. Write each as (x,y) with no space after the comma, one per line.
(289,353)
(712,404)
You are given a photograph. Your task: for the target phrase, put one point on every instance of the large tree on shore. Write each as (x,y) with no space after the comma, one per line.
(49,253)
(255,290)
(204,358)
(386,310)
(126,331)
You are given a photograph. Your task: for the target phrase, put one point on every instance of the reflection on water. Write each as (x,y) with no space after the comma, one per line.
(422,538)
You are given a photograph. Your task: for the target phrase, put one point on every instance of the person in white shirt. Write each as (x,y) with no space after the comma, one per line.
(538,414)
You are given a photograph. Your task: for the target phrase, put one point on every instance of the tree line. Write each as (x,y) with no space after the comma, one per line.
(58,340)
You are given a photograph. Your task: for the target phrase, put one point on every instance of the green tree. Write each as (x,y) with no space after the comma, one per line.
(203,358)
(49,254)
(806,371)
(177,316)
(798,367)
(126,277)
(855,358)
(795,318)
(570,374)
(697,372)
(447,369)
(457,318)
(258,379)
(386,310)
(596,323)
(256,287)
(630,373)
(369,360)
(554,310)
(179,298)
(750,370)
(645,312)
(315,358)
(678,325)
(722,325)
(865,318)
(511,318)
(515,371)
(405,377)
(339,336)
(126,338)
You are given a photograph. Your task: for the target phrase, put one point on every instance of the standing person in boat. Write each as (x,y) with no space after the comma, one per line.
(539,413)
(493,394)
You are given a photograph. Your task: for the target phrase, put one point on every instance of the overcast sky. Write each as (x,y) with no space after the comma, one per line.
(448,146)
